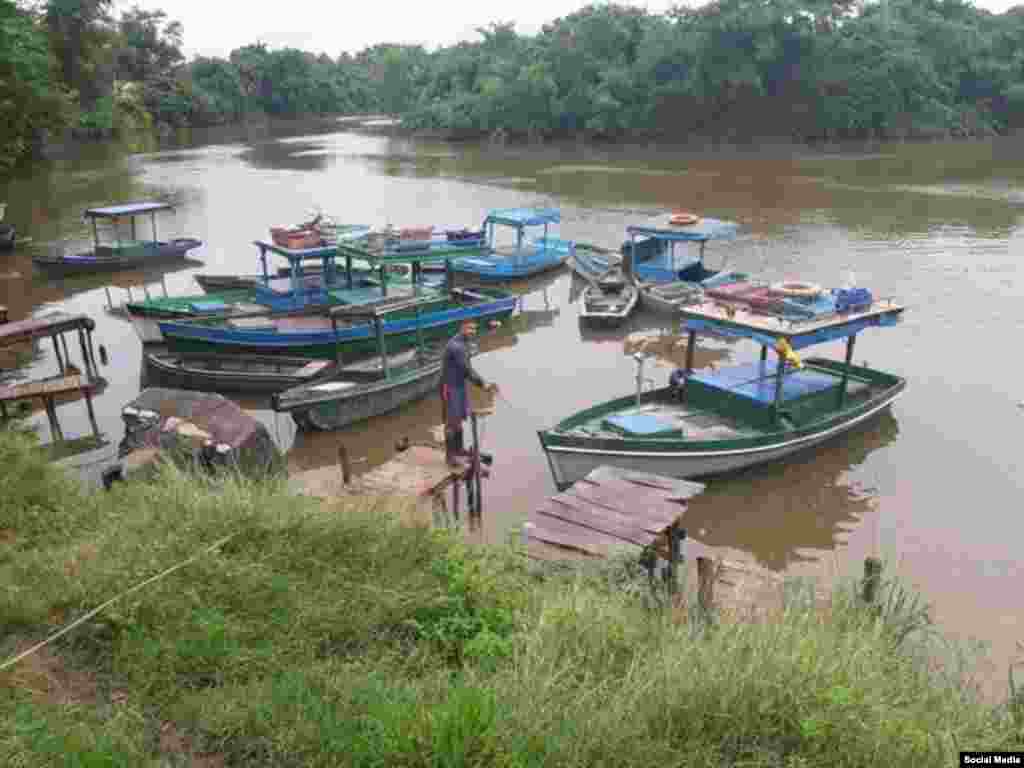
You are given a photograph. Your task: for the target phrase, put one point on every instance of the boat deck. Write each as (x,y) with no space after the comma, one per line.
(753,384)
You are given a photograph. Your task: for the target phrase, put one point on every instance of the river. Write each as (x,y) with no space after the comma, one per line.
(930,486)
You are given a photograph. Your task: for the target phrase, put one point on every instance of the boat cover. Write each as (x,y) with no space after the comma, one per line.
(200,426)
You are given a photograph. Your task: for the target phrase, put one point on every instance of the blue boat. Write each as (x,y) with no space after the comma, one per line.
(527,257)
(320,335)
(591,261)
(652,246)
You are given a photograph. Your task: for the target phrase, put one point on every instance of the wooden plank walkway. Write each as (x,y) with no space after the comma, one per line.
(609,510)
(613,510)
(418,474)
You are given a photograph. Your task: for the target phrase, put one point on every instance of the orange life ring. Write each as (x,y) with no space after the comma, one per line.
(683,219)
(796,290)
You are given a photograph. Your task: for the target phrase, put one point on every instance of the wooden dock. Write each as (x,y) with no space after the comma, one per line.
(70,380)
(419,475)
(613,511)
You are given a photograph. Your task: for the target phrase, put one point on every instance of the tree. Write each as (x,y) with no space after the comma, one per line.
(31,97)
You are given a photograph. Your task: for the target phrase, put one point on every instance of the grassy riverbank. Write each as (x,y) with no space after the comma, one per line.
(323,636)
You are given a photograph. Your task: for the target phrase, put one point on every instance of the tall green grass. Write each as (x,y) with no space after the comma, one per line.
(325,635)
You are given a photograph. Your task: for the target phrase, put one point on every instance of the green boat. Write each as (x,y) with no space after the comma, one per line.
(709,422)
(371,387)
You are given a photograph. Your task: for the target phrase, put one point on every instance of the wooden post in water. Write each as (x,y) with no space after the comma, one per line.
(705,583)
(346,464)
(872,578)
(478,502)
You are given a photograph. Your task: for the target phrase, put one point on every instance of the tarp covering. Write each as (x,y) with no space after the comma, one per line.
(207,428)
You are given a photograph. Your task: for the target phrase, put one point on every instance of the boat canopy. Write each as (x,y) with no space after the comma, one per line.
(767,330)
(127,209)
(705,229)
(524,217)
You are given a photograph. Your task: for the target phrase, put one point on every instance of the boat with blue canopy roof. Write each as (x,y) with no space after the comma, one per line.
(713,421)
(660,254)
(120,252)
(527,256)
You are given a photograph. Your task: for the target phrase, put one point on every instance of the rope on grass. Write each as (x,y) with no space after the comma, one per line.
(24,654)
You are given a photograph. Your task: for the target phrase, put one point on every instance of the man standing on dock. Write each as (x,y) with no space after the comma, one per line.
(456,369)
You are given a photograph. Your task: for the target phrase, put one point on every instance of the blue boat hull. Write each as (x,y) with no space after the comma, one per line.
(323,343)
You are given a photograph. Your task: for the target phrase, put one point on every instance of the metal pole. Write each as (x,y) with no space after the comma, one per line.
(379,326)
(846,368)
(263,261)
(348,268)
(419,330)
(780,369)
(691,344)
(95,235)
(337,341)
(152,218)
(64,343)
(85,352)
(92,414)
(110,303)
(56,348)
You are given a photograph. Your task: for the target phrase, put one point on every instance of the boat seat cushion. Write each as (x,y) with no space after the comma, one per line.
(207,306)
(795,384)
(643,424)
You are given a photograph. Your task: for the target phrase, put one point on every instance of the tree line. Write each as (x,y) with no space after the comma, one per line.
(802,69)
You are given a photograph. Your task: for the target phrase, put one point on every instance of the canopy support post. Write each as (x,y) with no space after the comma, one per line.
(780,369)
(691,343)
(379,327)
(846,368)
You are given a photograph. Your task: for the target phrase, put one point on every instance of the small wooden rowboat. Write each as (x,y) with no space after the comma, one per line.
(610,299)
(249,374)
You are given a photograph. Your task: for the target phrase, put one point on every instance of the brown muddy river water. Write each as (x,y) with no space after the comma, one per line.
(935,487)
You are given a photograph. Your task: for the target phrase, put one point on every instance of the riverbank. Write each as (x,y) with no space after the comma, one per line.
(321,634)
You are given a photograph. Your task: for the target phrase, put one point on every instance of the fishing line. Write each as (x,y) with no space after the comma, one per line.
(24,654)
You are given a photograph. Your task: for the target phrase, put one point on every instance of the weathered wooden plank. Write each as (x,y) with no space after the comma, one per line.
(652,525)
(597,519)
(678,489)
(555,531)
(40,327)
(57,386)
(633,500)
(647,507)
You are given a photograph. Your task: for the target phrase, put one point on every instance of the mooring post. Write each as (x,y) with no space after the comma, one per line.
(872,578)
(705,583)
(346,464)
(455,500)
(673,558)
(478,501)
(525,533)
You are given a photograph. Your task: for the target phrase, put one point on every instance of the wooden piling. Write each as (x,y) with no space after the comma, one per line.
(872,578)
(705,583)
(346,464)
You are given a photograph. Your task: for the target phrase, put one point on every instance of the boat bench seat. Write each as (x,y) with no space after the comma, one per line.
(755,382)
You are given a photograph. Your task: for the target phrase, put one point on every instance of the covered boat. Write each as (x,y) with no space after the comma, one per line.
(198,428)
(528,256)
(656,249)
(709,422)
(361,390)
(120,253)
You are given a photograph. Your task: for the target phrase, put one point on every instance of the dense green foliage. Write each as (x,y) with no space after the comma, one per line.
(803,69)
(327,635)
